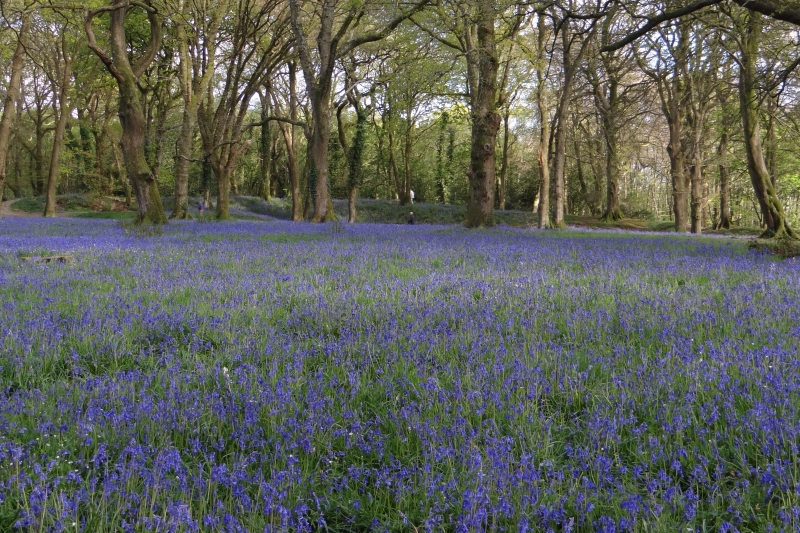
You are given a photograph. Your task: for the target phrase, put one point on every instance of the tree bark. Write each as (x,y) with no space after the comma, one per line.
(12,93)
(63,112)
(570,67)
(265,149)
(131,112)
(485,123)
(724,179)
(771,208)
(501,184)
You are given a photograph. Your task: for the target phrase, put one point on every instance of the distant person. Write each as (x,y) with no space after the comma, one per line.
(411,196)
(411,218)
(201,207)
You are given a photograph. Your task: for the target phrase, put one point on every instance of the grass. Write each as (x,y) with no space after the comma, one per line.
(29,205)
(249,376)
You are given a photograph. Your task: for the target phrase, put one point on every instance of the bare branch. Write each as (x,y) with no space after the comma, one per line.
(655,21)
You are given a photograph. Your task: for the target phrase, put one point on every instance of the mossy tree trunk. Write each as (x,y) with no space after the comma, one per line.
(12,93)
(131,112)
(772,211)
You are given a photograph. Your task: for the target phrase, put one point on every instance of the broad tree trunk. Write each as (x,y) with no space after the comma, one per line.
(319,151)
(63,112)
(680,181)
(12,93)
(185,149)
(724,180)
(771,208)
(355,161)
(485,123)
(612,167)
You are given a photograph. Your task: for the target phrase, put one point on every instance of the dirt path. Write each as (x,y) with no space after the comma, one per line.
(6,211)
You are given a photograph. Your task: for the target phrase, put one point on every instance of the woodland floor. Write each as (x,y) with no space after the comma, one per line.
(275,376)
(369,211)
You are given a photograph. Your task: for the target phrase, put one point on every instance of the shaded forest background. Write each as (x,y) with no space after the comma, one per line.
(233,97)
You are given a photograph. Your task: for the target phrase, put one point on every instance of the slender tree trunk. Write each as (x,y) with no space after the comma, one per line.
(58,138)
(501,184)
(696,178)
(395,171)
(544,166)
(355,160)
(12,93)
(265,149)
(772,141)
(542,154)
(771,208)
(407,149)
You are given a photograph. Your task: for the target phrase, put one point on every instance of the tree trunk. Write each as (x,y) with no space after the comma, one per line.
(771,208)
(395,171)
(131,113)
(485,123)
(265,149)
(355,160)
(501,184)
(319,151)
(12,93)
(724,180)
(407,149)
(613,212)
(542,155)
(180,209)
(569,67)
(58,138)
(696,178)
(772,141)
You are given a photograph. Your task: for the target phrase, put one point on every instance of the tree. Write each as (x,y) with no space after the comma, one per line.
(60,74)
(131,111)
(772,211)
(12,93)
(570,64)
(258,34)
(196,26)
(334,20)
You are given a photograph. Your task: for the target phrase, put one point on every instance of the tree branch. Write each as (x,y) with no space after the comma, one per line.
(377,36)
(156,35)
(652,22)
(771,8)
(87,28)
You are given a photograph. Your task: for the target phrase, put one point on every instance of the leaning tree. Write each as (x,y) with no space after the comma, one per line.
(131,110)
